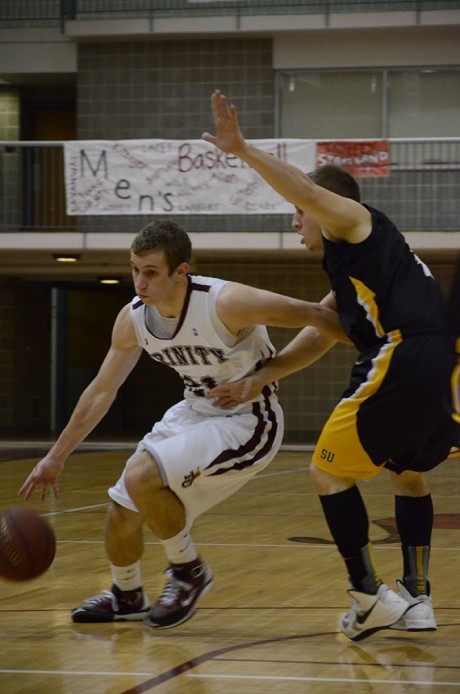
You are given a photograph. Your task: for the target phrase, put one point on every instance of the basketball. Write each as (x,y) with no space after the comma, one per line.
(27,544)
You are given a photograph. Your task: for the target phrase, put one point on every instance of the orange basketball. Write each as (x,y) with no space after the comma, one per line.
(27,544)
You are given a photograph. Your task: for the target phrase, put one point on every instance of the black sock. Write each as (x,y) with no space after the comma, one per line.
(348,522)
(414,520)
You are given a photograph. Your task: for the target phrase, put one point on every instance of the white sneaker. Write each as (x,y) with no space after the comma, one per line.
(419,616)
(370,613)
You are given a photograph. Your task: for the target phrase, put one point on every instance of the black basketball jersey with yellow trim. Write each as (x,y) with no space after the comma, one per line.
(369,278)
(397,410)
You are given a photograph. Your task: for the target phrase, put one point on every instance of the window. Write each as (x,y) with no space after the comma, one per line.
(368,103)
(424,103)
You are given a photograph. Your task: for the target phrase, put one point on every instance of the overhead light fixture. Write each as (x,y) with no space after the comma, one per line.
(109,280)
(66,257)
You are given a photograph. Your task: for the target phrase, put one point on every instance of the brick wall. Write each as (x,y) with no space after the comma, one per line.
(162,89)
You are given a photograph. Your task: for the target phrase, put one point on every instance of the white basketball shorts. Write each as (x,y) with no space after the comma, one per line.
(205,459)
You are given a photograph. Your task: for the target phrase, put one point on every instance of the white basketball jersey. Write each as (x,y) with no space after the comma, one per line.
(202,350)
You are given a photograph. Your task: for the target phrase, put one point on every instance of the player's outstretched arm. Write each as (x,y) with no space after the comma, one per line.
(287,180)
(306,347)
(340,218)
(94,403)
(239,305)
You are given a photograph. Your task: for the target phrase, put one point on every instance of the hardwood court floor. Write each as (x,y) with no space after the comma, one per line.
(269,626)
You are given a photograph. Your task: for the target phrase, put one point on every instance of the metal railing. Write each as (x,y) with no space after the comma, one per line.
(56,12)
(422,192)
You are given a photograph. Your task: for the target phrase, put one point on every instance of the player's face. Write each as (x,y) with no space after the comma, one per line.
(152,280)
(308,229)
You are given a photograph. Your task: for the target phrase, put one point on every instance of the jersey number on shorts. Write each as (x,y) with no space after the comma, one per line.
(199,388)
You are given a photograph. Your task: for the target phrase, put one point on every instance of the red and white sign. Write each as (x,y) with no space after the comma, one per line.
(358,157)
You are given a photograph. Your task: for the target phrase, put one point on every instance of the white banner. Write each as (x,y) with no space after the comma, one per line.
(173,177)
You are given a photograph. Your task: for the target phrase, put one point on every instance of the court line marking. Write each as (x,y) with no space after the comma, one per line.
(196,675)
(76,672)
(214,656)
(416,665)
(367,680)
(298,545)
(121,445)
(263,475)
(87,446)
(210,656)
(223,544)
(74,510)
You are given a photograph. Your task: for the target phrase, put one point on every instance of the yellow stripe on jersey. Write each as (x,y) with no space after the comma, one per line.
(339,450)
(366,298)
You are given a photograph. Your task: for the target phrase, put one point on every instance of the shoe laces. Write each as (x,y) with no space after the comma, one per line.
(172,588)
(107,594)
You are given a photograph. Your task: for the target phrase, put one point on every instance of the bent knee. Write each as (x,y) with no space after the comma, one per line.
(329,484)
(119,516)
(142,472)
(409,483)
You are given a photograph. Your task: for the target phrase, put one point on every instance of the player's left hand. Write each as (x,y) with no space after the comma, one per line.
(229,395)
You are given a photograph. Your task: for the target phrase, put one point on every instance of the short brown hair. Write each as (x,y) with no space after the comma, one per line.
(337,180)
(166,236)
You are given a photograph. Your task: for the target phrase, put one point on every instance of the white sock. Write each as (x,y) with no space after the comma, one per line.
(127,577)
(180,548)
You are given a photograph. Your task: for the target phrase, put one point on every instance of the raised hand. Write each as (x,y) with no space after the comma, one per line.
(228,135)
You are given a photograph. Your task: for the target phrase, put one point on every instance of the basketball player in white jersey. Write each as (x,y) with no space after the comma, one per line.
(211,332)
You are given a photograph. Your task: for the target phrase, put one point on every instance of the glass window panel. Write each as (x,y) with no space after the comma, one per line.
(331,105)
(424,103)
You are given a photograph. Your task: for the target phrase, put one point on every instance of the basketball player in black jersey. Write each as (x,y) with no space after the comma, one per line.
(397,412)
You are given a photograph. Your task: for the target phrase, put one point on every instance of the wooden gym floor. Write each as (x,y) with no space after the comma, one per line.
(269,626)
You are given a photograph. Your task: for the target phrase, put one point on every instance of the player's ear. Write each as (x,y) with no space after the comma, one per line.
(182,270)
